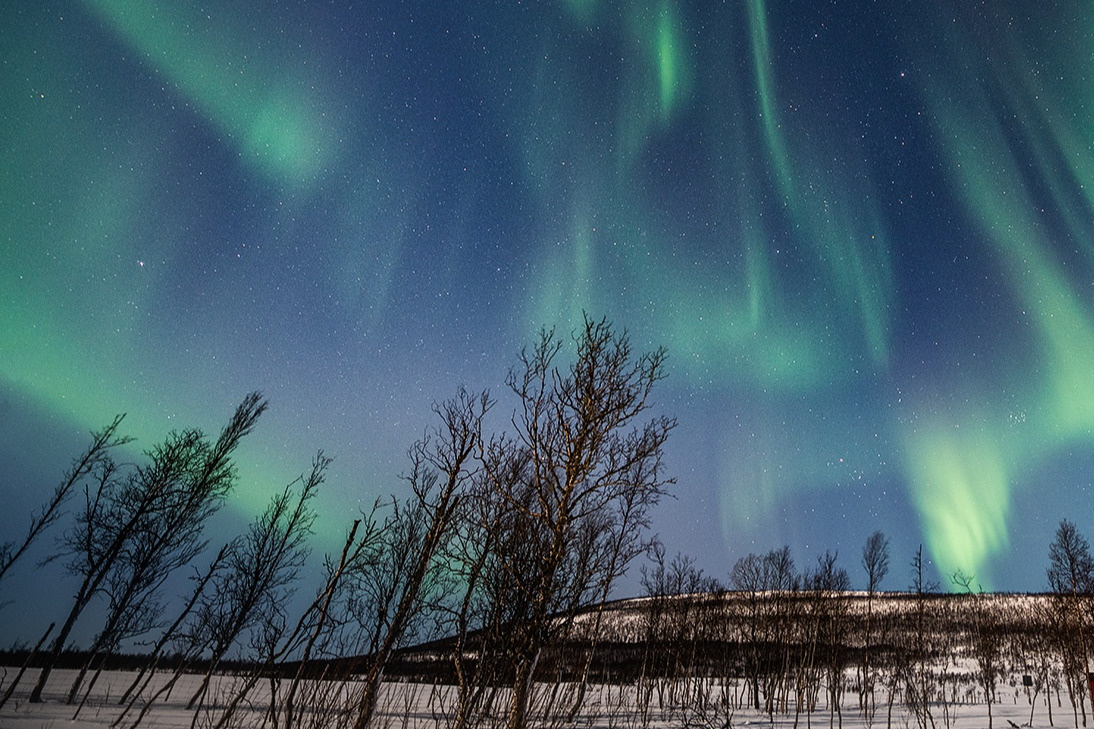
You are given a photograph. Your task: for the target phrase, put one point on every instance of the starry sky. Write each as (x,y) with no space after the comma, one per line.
(864,231)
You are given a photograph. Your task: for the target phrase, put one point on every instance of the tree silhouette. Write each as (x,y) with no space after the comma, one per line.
(91,461)
(146,518)
(578,478)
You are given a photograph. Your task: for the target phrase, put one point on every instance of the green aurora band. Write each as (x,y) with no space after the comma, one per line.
(961,461)
(785,294)
(250,92)
(964,467)
(280,126)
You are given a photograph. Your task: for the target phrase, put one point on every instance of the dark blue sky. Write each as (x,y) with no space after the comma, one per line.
(863,230)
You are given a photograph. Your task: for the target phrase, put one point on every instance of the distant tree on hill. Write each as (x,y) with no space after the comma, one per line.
(768,581)
(875,561)
(1071,567)
(681,615)
(828,584)
(1071,578)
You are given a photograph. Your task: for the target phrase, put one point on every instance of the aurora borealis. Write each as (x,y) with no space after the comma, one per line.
(863,230)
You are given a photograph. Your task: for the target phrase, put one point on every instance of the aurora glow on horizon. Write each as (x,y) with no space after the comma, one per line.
(863,230)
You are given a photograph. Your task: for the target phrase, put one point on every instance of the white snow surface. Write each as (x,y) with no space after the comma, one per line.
(419,706)
(424,706)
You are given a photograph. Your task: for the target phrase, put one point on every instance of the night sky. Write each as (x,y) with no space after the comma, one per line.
(864,231)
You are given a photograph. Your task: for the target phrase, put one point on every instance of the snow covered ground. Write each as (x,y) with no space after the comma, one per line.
(415,706)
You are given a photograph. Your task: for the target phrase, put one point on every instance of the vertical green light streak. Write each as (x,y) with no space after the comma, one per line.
(668,61)
(765,86)
(827,210)
(734,317)
(963,483)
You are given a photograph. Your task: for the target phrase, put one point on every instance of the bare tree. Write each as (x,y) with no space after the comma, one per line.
(168,538)
(1071,567)
(747,576)
(918,683)
(487,529)
(768,582)
(26,663)
(148,670)
(987,641)
(654,619)
(1071,578)
(875,561)
(318,630)
(159,508)
(1037,649)
(400,580)
(261,570)
(681,613)
(577,429)
(83,467)
(827,585)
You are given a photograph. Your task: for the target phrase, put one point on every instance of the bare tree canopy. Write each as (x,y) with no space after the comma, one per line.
(137,524)
(578,478)
(92,460)
(1071,568)
(875,560)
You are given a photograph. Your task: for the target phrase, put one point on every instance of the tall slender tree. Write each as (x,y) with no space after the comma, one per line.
(584,453)
(1071,578)
(919,684)
(442,468)
(875,561)
(159,507)
(85,466)
(261,569)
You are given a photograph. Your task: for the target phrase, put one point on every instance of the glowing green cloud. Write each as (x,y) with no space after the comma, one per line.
(963,468)
(88,327)
(257,100)
(961,475)
(73,296)
(583,11)
(669,61)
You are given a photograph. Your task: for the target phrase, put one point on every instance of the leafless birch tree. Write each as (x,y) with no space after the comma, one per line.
(403,577)
(1071,578)
(875,561)
(578,428)
(91,461)
(261,570)
(158,508)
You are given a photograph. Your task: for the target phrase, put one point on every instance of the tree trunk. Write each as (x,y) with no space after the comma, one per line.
(58,645)
(23,668)
(522,692)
